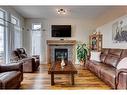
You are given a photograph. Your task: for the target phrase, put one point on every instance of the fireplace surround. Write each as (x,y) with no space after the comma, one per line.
(64,45)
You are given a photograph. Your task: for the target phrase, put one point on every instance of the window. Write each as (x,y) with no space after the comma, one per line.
(36,39)
(2,36)
(14,20)
(17,31)
(10,35)
(2,16)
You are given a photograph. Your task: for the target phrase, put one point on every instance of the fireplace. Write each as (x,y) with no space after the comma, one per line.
(61,53)
(66,48)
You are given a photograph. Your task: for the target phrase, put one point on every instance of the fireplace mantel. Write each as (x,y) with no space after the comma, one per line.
(70,44)
(61,42)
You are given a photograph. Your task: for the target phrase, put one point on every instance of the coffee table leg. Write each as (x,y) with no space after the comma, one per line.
(72,79)
(52,79)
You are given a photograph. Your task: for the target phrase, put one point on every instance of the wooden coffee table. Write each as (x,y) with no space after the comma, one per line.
(57,69)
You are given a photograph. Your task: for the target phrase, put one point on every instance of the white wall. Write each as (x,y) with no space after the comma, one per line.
(106,30)
(80,32)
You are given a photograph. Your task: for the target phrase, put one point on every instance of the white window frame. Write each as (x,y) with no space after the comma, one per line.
(5,38)
(16,28)
(32,35)
(16,19)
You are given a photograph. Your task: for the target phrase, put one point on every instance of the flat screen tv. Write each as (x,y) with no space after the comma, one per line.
(61,30)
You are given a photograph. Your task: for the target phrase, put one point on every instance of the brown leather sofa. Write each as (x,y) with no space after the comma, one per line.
(106,69)
(30,63)
(11,75)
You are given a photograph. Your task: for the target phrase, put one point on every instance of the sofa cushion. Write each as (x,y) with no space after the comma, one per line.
(23,55)
(124,54)
(15,54)
(20,50)
(108,74)
(116,52)
(103,55)
(112,60)
(95,67)
(10,79)
(113,57)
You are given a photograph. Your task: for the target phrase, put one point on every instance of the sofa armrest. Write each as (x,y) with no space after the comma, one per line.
(28,64)
(25,59)
(36,56)
(11,67)
(121,79)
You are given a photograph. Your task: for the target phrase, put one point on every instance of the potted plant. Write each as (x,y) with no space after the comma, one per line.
(82,52)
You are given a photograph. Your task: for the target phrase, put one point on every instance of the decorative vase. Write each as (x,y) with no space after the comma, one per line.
(62,63)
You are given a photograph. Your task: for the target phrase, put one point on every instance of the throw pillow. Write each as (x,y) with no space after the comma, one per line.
(122,64)
(95,56)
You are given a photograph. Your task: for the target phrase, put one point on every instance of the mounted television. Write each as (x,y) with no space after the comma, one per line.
(61,30)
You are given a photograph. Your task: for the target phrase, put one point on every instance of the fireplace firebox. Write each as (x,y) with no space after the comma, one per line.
(61,53)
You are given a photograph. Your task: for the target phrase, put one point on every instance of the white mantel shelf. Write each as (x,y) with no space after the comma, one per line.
(61,42)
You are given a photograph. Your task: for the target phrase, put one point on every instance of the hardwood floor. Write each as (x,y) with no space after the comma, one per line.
(41,80)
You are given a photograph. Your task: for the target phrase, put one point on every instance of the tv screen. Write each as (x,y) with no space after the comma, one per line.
(61,30)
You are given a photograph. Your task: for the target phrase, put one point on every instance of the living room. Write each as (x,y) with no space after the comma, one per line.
(33,30)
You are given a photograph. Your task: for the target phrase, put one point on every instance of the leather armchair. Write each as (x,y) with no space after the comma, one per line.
(11,75)
(30,63)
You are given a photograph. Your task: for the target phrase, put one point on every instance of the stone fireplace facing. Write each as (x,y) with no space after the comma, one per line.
(60,48)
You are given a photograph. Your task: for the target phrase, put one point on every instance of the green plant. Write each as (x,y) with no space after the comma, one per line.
(82,52)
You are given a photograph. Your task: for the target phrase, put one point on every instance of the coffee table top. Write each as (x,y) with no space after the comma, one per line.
(56,68)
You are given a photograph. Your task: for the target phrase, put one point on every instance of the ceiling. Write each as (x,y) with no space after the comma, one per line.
(87,12)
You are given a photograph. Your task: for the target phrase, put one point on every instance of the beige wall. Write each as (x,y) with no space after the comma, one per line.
(80,32)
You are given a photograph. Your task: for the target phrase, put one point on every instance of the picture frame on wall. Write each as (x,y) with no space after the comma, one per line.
(119,31)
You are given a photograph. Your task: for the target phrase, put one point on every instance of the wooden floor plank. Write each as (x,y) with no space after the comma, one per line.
(83,80)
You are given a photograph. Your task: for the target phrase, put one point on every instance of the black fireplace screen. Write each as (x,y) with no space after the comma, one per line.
(61,53)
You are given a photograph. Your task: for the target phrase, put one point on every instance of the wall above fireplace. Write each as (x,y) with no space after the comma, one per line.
(52,45)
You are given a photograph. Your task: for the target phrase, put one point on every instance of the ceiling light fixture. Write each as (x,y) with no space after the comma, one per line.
(61,11)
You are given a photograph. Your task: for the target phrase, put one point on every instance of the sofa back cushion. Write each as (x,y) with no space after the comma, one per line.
(124,54)
(23,55)
(116,52)
(15,54)
(113,57)
(122,64)
(21,52)
(103,55)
